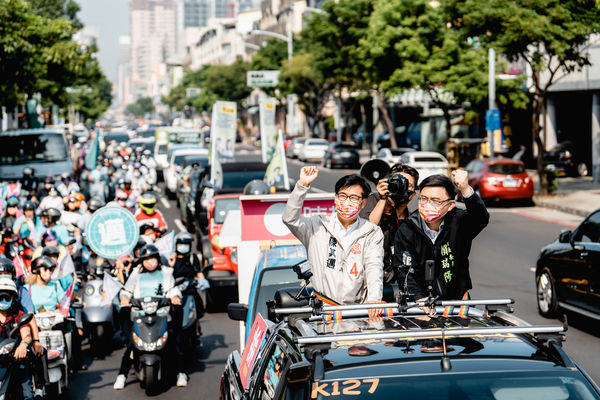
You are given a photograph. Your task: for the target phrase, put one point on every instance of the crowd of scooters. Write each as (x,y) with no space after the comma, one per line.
(56,293)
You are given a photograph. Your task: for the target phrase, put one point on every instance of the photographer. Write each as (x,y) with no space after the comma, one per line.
(440,232)
(388,207)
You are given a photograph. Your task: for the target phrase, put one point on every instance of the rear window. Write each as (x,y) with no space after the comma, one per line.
(178,160)
(239,179)
(398,152)
(317,142)
(162,149)
(45,147)
(345,148)
(483,386)
(117,137)
(223,206)
(506,169)
(428,159)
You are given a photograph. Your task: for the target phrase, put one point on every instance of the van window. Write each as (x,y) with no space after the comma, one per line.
(21,149)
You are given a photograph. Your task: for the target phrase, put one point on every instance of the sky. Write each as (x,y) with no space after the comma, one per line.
(111,18)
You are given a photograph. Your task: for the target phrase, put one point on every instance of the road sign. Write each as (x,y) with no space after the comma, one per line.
(112,232)
(492,120)
(262,78)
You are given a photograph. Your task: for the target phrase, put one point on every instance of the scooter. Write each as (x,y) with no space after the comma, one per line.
(7,359)
(57,343)
(149,334)
(97,316)
(190,315)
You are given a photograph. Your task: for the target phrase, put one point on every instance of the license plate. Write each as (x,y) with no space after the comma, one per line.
(346,154)
(510,183)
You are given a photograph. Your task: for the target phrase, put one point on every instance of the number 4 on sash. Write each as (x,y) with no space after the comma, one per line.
(354,271)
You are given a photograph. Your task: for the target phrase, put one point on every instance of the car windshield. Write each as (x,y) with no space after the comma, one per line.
(239,179)
(270,281)
(117,137)
(146,134)
(223,206)
(428,159)
(345,148)
(506,169)
(480,386)
(21,149)
(162,149)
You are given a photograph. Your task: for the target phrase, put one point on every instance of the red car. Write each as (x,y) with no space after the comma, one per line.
(224,259)
(500,179)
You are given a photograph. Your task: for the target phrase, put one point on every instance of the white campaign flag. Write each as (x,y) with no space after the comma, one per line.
(165,244)
(110,288)
(65,267)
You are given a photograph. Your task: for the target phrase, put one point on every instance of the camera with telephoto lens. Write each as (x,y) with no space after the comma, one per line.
(398,189)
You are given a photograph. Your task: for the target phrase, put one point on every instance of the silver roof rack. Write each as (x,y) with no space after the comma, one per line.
(429,333)
(348,307)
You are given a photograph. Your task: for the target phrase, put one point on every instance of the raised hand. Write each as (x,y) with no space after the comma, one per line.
(461,180)
(308,175)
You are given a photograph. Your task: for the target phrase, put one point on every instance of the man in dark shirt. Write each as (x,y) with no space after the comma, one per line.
(388,211)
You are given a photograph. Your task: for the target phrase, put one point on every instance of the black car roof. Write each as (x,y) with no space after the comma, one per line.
(382,354)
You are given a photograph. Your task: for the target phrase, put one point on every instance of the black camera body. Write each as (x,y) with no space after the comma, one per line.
(302,270)
(398,189)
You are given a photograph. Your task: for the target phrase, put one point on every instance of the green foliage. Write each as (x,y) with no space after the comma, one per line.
(141,107)
(217,82)
(37,54)
(270,56)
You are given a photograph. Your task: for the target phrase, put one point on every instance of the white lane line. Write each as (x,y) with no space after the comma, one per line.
(179,225)
(165,202)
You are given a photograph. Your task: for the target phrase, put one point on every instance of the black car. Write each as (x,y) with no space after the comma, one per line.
(565,157)
(186,193)
(341,155)
(568,271)
(488,354)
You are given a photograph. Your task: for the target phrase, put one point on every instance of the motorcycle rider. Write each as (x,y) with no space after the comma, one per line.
(44,190)
(67,185)
(52,200)
(187,265)
(150,279)
(11,213)
(45,293)
(28,183)
(10,313)
(25,226)
(71,215)
(49,220)
(148,212)
(94,205)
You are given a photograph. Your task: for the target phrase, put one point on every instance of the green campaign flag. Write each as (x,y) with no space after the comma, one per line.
(92,154)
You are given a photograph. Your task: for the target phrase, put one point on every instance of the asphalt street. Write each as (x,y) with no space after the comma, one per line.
(501,266)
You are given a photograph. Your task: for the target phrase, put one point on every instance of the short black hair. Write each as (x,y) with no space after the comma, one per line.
(400,167)
(440,181)
(351,180)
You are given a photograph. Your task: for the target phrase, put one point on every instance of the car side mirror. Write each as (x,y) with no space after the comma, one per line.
(24,320)
(564,237)
(299,372)
(237,311)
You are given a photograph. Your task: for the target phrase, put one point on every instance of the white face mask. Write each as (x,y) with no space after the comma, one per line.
(183,248)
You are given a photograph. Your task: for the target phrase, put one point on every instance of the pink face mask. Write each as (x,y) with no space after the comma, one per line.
(431,213)
(347,209)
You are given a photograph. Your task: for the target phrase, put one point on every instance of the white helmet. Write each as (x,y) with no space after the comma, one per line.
(7,284)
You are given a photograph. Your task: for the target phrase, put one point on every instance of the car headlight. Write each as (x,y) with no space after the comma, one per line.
(7,348)
(234,256)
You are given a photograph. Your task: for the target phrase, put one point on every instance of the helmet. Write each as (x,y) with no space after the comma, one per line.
(49,179)
(12,201)
(183,242)
(95,203)
(140,243)
(7,266)
(148,203)
(149,251)
(48,235)
(27,171)
(144,226)
(29,205)
(256,187)
(147,152)
(50,251)
(42,261)
(52,213)
(127,181)
(8,285)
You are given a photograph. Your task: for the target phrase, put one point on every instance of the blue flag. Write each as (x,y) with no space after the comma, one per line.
(92,155)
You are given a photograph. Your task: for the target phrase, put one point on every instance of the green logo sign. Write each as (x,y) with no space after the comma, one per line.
(112,232)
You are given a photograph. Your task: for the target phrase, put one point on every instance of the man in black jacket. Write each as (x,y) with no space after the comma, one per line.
(440,232)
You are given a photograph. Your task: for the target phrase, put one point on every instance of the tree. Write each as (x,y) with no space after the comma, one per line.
(550,35)
(301,76)
(141,107)
(53,9)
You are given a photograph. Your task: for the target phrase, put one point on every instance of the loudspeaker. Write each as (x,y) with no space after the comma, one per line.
(374,170)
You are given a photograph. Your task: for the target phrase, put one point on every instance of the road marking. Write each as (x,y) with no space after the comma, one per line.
(553,221)
(165,202)
(179,225)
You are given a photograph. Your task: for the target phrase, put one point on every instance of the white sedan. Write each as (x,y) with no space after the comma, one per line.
(313,150)
(427,163)
(172,172)
(392,156)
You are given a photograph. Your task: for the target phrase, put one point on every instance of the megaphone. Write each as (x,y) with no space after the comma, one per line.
(374,170)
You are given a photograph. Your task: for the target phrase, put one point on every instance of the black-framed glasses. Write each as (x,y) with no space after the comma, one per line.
(51,269)
(5,297)
(433,201)
(353,198)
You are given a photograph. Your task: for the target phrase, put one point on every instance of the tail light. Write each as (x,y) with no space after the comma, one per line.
(567,154)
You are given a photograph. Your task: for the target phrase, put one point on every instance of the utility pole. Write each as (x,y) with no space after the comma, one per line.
(492,93)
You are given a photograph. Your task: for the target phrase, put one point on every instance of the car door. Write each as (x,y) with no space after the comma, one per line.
(586,241)
(577,280)
(269,381)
